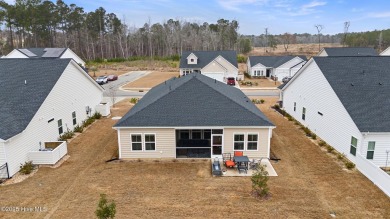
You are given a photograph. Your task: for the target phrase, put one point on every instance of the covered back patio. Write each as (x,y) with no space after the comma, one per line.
(199,143)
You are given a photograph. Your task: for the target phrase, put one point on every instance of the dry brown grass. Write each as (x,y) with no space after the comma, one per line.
(264,83)
(151,79)
(310,184)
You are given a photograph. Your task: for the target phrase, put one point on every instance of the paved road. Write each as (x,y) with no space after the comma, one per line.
(134,75)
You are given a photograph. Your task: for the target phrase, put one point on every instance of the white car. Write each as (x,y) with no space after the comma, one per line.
(102,80)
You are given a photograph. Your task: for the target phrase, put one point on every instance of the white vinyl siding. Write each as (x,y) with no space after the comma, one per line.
(382,144)
(72,92)
(69,54)
(335,126)
(2,154)
(264,135)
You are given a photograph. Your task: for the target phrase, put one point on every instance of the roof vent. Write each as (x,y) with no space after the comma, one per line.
(352,84)
(25,81)
(380,83)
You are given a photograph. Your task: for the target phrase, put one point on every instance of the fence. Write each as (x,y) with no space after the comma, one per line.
(4,174)
(49,157)
(379,177)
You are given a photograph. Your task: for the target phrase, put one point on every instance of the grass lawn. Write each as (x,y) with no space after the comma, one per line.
(310,183)
(151,79)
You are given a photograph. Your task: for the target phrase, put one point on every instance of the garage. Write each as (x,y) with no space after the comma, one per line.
(215,75)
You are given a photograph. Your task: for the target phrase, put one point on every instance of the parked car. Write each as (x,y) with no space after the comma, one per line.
(101,80)
(112,78)
(231,81)
(286,79)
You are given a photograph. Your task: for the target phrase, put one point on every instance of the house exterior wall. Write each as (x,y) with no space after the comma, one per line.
(165,143)
(259,67)
(322,53)
(263,141)
(382,144)
(71,55)
(386,52)
(73,92)
(311,90)
(16,54)
(232,71)
(192,56)
(2,154)
(286,70)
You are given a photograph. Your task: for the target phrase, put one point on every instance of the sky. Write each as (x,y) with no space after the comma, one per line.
(279,16)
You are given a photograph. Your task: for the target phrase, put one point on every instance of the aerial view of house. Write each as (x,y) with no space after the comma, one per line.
(62,53)
(194,117)
(344,100)
(348,51)
(41,99)
(218,65)
(275,67)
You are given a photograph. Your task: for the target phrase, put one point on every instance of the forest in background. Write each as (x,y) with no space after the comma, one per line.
(99,35)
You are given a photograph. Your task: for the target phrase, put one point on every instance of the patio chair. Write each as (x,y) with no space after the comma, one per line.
(238,153)
(253,164)
(241,168)
(227,160)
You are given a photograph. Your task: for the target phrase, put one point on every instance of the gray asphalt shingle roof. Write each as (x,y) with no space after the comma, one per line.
(194,100)
(272,61)
(350,51)
(43,52)
(363,86)
(205,57)
(20,101)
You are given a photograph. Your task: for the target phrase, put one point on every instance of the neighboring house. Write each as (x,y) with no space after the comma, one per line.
(345,101)
(274,66)
(193,117)
(348,51)
(218,65)
(385,52)
(62,53)
(40,100)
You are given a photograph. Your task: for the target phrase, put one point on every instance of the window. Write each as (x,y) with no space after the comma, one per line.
(60,129)
(239,142)
(150,142)
(217,131)
(295,106)
(252,141)
(207,134)
(196,134)
(192,60)
(184,134)
(370,150)
(136,142)
(303,113)
(353,146)
(74,118)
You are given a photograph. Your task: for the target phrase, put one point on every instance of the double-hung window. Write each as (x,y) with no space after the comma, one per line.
(136,142)
(74,118)
(303,113)
(252,142)
(150,142)
(370,150)
(239,140)
(353,146)
(60,129)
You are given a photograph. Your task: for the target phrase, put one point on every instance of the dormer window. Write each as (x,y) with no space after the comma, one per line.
(192,59)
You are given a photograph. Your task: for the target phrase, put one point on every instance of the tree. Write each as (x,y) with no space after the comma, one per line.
(346,27)
(319,28)
(259,181)
(288,39)
(112,93)
(105,210)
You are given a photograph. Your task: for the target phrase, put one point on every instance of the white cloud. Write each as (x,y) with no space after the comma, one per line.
(314,4)
(234,5)
(379,14)
(307,9)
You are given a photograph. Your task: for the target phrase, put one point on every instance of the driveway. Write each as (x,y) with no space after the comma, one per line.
(122,80)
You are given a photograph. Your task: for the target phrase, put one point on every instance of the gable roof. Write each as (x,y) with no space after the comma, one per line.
(350,51)
(20,101)
(272,61)
(43,52)
(205,57)
(363,86)
(191,101)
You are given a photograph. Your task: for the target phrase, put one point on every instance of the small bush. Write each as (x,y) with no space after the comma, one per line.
(313,136)
(66,135)
(322,143)
(276,106)
(78,128)
(88,122)
(262,101)
(259,181)
(349,165)
(134,100)
(97,115)
(105,210)
(340,156)
(26,168)
(329,148)
(241,59)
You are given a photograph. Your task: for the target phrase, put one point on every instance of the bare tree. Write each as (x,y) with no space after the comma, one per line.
(346,27)
(266,39)
(112,93)
(380,40)
(319,28)
(287,39)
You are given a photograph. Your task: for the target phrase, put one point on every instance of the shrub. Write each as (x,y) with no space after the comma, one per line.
(78,128)
(105,210)
(329,148)
(313,136)
(276,106)
(66,135)
(262,101)
(26,168)
(247,75)
(241,59)
(134,100)
(349,165)
(88,122)
(322,143)
(97,115)
(259,181)
(340,156)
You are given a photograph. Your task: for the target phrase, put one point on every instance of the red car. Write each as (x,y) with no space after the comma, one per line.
(231,81)
(112,78)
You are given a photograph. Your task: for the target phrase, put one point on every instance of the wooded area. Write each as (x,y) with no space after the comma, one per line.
(102,35)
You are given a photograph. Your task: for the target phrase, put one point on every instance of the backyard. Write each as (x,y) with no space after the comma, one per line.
(151,80)
(310,183)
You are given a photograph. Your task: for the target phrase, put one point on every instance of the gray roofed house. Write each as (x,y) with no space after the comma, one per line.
(348,51)
(62,53)
(345,101)
(215,64)
(40,100)
(273,67)
(191,107)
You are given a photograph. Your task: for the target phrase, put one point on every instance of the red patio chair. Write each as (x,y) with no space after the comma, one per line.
(227,160)
(238,153)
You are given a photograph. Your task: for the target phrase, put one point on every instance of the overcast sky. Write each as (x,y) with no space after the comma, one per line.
(294,16)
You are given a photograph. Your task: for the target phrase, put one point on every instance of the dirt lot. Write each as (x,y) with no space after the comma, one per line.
(307,50)
(256,83)
(151,80)
(310,184)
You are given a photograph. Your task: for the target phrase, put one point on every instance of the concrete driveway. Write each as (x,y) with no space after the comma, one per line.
(122,80)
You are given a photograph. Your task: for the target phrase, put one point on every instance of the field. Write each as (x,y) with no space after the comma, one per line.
(151,80)
(311,184)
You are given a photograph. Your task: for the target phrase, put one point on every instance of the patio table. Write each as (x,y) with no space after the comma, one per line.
(241,159)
